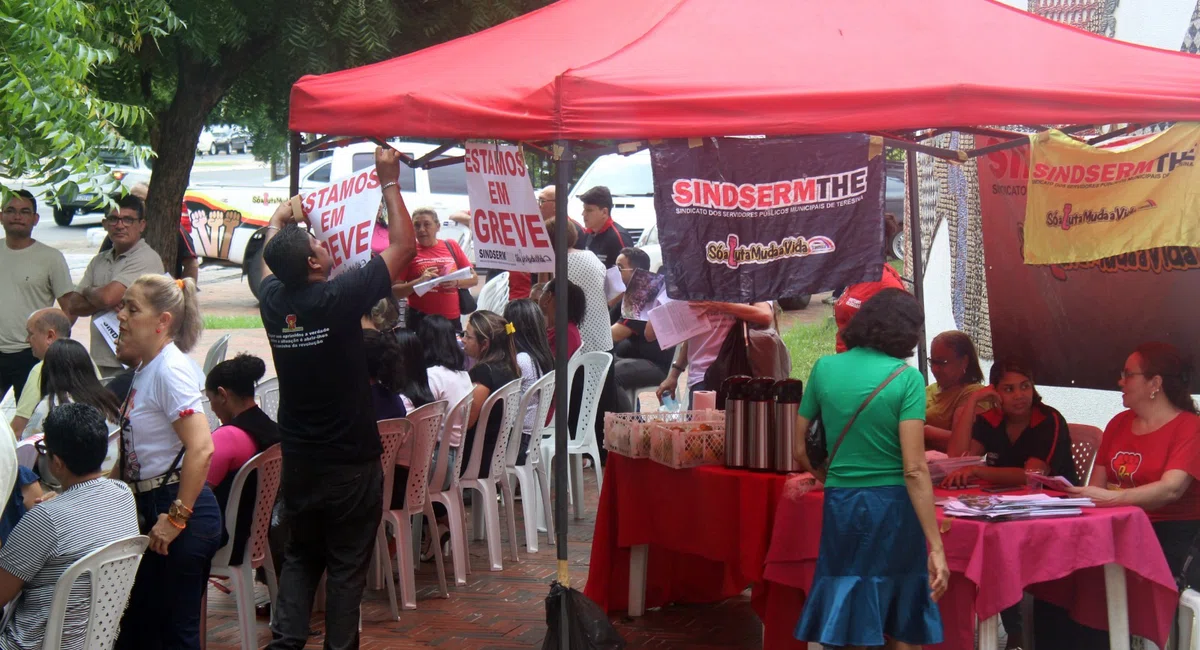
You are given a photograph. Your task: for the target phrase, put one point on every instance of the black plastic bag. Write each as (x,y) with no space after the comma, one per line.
(587,624)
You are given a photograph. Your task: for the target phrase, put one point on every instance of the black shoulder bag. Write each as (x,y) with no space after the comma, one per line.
(815,443)
(466,302)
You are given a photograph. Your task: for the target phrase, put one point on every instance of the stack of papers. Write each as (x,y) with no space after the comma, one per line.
(941,468)
(1014,506)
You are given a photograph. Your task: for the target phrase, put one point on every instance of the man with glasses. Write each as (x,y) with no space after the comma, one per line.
(110,272)
(32,276)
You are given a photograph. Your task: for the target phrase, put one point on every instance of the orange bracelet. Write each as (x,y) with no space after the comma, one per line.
(176,524)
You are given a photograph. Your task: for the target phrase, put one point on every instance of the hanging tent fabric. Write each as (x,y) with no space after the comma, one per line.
(599,69)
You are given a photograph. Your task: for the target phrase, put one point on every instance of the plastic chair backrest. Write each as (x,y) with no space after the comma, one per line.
(494,294)
(216,353)
(269,465)
(543,391)
(595,369)
(453,432)
(506,395)
(213,421)
(1085,443)
(267,395)
(426,423)
(111,570)
(456,419)
(27,455)
(392,435)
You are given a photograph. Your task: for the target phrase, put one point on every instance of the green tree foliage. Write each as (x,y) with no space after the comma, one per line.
(237,60)
(55,123)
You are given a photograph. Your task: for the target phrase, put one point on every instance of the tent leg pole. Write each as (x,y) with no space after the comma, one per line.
(914,244)
(564,166)
(294,164)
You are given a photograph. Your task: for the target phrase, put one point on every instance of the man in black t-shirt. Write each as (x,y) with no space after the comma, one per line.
(332,486)
(605,237)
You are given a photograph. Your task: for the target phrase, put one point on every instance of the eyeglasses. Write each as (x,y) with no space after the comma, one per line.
(542,201)
(40,446)
(1125,374)
(939,362)
(24,212)
(124,221)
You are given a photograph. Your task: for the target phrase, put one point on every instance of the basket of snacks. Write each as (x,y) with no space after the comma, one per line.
(687,444)
(628,434)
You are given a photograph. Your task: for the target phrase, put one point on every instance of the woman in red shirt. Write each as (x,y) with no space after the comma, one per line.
(435,258)
(1150,456)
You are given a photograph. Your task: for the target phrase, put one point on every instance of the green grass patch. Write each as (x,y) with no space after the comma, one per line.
(233,322)
(807,342)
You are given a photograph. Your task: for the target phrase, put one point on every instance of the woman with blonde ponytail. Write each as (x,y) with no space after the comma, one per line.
(166,451)
(488,340)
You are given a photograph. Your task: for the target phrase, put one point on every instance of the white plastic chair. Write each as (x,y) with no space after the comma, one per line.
(27,454)
(216,353)
(1085,443)
(257,552)
(1187,625)
(426,423)
(111,570)
(267,396)
(494,294)
(582,440)
(453,428)
(531,474)
(485,510)
(213,421)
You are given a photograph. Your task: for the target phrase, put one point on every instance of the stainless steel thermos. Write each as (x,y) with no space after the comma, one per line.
(734,389)
(760,412)
(787,393)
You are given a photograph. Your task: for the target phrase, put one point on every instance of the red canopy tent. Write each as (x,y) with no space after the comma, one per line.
(640,69)
(592,69)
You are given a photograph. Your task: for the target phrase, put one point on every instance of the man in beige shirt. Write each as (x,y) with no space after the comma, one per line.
(111,272)
(32,276)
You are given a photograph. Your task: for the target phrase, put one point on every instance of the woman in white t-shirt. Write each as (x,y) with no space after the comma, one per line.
(161,419)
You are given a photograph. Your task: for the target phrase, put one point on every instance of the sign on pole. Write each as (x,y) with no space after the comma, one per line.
(505,221)
(342,217)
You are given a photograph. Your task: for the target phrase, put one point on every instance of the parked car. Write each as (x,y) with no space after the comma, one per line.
(126,169)
(205,143)
(228,139)
(227,219)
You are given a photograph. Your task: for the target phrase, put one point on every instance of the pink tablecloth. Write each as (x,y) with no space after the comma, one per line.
(1059,560)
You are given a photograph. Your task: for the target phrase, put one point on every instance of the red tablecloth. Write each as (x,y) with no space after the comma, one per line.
(1059,560)
(707,529)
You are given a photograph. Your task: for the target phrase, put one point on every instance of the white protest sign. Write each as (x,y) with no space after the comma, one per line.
(342,217)
(505,220)
(109,327)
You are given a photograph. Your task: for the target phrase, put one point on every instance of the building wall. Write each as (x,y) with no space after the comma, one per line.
(1157,23)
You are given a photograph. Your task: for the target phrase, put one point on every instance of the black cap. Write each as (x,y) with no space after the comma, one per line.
(788,391)
(759,389)
(735,387)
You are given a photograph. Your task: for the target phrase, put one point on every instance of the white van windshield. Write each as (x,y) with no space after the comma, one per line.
(622,175)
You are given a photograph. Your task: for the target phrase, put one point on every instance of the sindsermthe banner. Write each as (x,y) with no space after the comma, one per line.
(1087,203)
(746,220)
(1076,323)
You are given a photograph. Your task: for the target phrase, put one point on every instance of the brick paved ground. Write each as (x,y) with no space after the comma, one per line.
(506,609)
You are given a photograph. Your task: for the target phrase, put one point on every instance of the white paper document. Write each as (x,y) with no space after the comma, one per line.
(424,287)
(614,285)
(108,325)
(1050,482)
(677,321)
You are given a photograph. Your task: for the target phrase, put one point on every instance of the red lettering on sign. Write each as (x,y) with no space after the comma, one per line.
(360,183)
(481,233)
(681,192)
(506,227)
(537,232)
(362,237)
(372,179)
(498,193)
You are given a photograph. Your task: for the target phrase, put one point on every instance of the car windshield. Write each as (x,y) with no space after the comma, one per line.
(116,159)
(622,175)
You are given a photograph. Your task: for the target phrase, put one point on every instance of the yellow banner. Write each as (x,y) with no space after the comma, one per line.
(1086,203)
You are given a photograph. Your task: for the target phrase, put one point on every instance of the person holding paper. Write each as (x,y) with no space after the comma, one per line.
(32,277)
(1021,434)
(332,483)
(697,353)
(435,258)
(639,362)
(110,273)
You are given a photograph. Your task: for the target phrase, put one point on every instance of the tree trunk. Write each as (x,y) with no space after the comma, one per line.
(178,129)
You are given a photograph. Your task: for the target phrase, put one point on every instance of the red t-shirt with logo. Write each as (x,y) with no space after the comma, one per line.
(856,295)
(442,299)
(1133,461)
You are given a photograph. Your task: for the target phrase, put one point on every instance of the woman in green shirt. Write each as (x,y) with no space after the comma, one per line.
(881,564)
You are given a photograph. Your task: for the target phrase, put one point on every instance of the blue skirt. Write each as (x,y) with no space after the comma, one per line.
(872,578)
